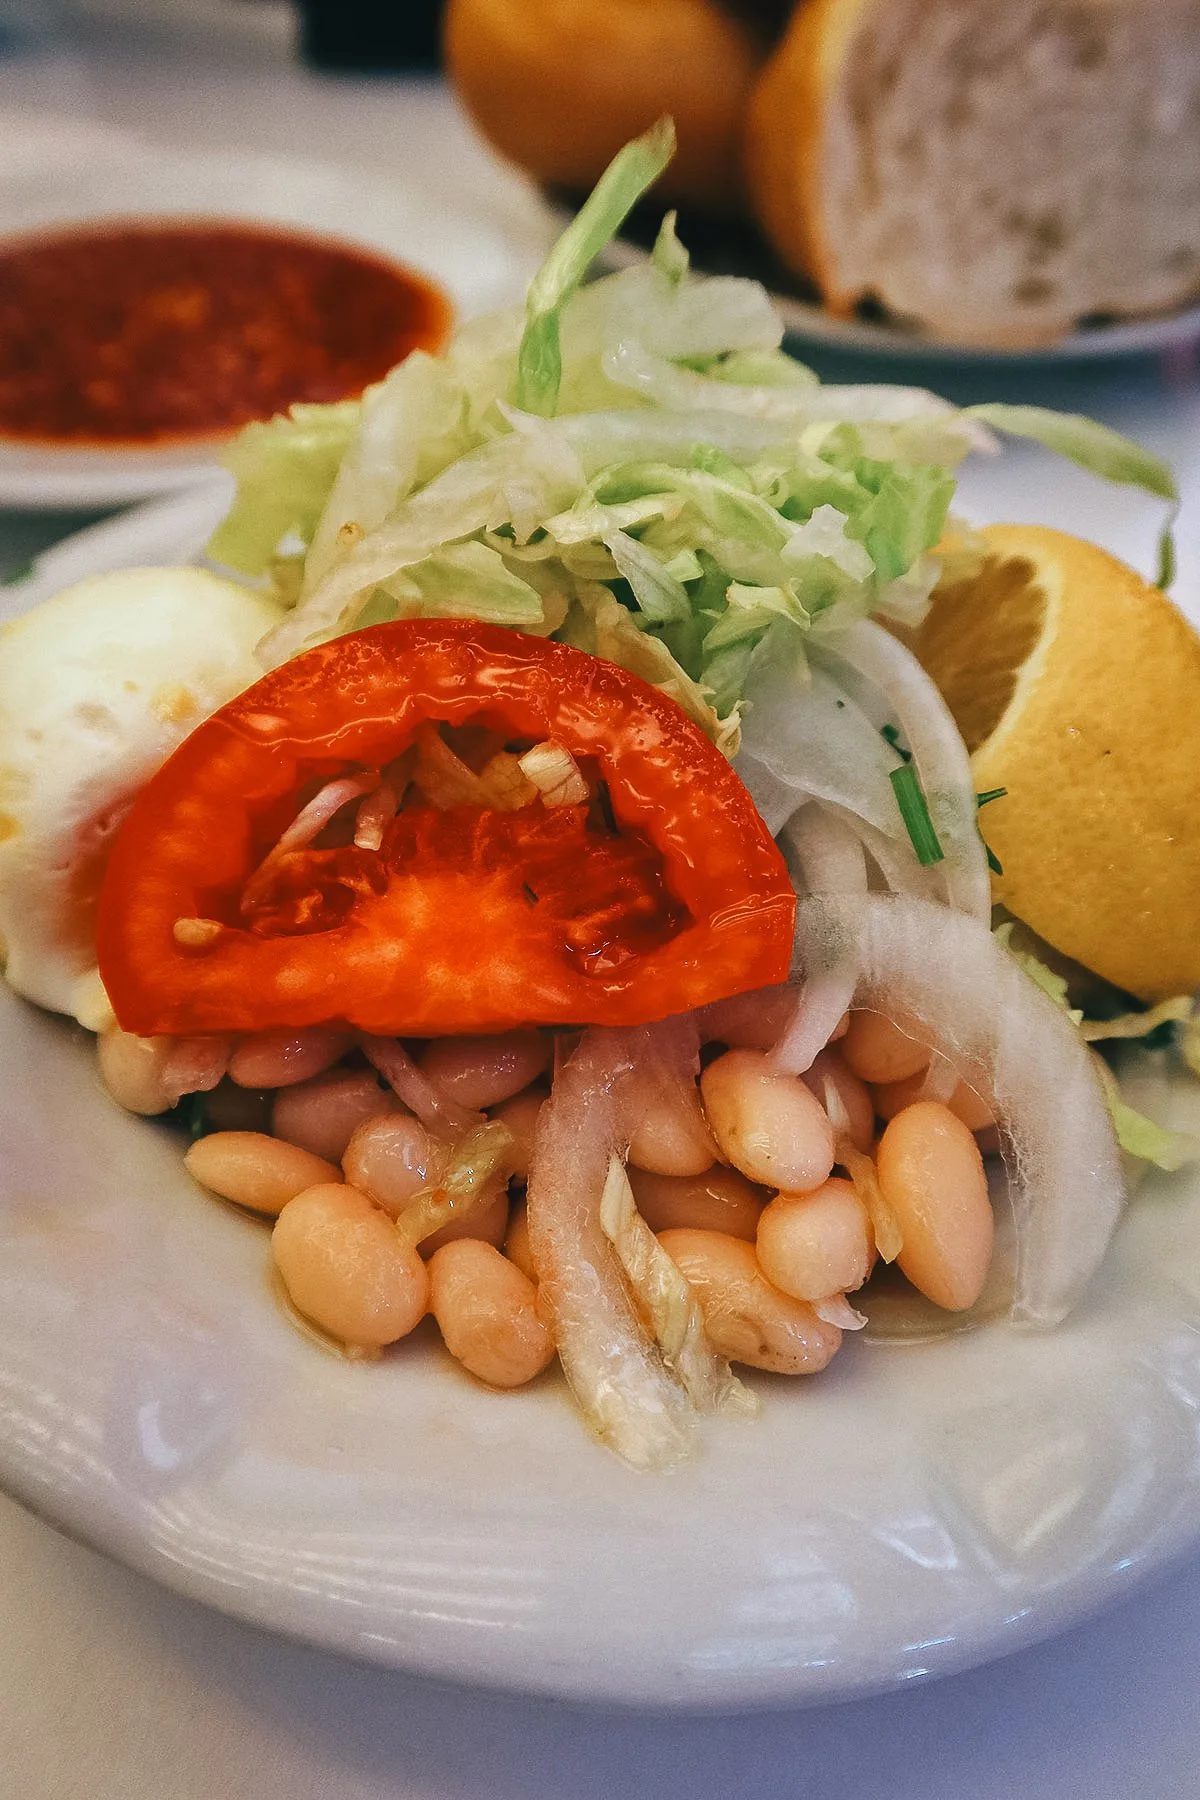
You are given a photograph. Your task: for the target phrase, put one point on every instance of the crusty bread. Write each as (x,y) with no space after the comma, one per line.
(560,85)
(993,172)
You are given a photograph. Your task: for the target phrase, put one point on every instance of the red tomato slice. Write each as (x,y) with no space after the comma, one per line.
(467,919)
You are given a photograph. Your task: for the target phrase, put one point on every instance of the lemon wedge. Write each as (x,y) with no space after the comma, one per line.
(1076,686)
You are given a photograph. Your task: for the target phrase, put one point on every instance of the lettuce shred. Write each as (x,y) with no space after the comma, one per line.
(634,463)
(1138,1135)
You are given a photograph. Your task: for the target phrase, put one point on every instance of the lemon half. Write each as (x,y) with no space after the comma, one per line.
(1076,686)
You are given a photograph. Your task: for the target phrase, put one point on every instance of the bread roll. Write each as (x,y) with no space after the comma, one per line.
(560,85)
(993,172)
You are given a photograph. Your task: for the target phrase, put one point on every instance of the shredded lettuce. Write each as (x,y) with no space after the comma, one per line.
(468,581)
(1100,450)
(1177,1011)
(1137,1135)
(285,470)
(1085,441)
(631,172)
(1142,1137)
(469,1174)
(669,1306)
(1048,979)
(635,465)
(670,257)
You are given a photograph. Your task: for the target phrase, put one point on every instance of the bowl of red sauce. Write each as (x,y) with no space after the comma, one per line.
(154,300)
(142,333)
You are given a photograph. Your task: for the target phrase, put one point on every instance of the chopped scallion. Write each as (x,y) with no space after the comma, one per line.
(914,810)
(191,1111)
(891,735)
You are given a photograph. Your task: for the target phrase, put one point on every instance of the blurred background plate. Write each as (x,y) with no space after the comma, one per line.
(479,262)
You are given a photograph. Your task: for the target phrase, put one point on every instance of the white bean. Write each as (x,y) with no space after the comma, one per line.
(487,1313)
(274,1059)
(813,1246)
(486,1223)
(256,1170)
(478,1072)
(932,1176)
(752,1021)
(672,1135)
(875,1049)
(718,1200)
(516,1242)
(132,1069)
(323,1113)
(393,1159)
(747,1319)
(766,1122)
(964,1102)
(149,1075)
(345,1268)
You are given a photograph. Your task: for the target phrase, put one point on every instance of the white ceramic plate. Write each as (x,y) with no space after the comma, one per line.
(481,261)
(808,323)
(908,1513)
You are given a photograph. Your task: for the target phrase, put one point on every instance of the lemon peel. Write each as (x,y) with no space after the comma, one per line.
(1076,685)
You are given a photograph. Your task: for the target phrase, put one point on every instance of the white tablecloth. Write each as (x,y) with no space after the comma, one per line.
(111,1689)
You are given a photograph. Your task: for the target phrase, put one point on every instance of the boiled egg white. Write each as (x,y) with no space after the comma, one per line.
(97,688)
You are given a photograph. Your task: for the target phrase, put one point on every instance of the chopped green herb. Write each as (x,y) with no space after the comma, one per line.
(890,734)
(994,863)
(992,794)
(914,810)
(529,893)
(191,1112)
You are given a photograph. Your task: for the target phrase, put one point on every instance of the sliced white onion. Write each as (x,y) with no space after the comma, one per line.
(808,739)
(628,1397)
(885,1226)
(831,861)
(467,1174)
(555,774)
(939,754)
(896,862)
(945,974)
(409,1083)
(825,852)
(308,824)
(312,819)
(375,813)
(824,998)
(837,1310)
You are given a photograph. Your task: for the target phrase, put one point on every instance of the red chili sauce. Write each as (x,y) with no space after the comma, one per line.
(140,334)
